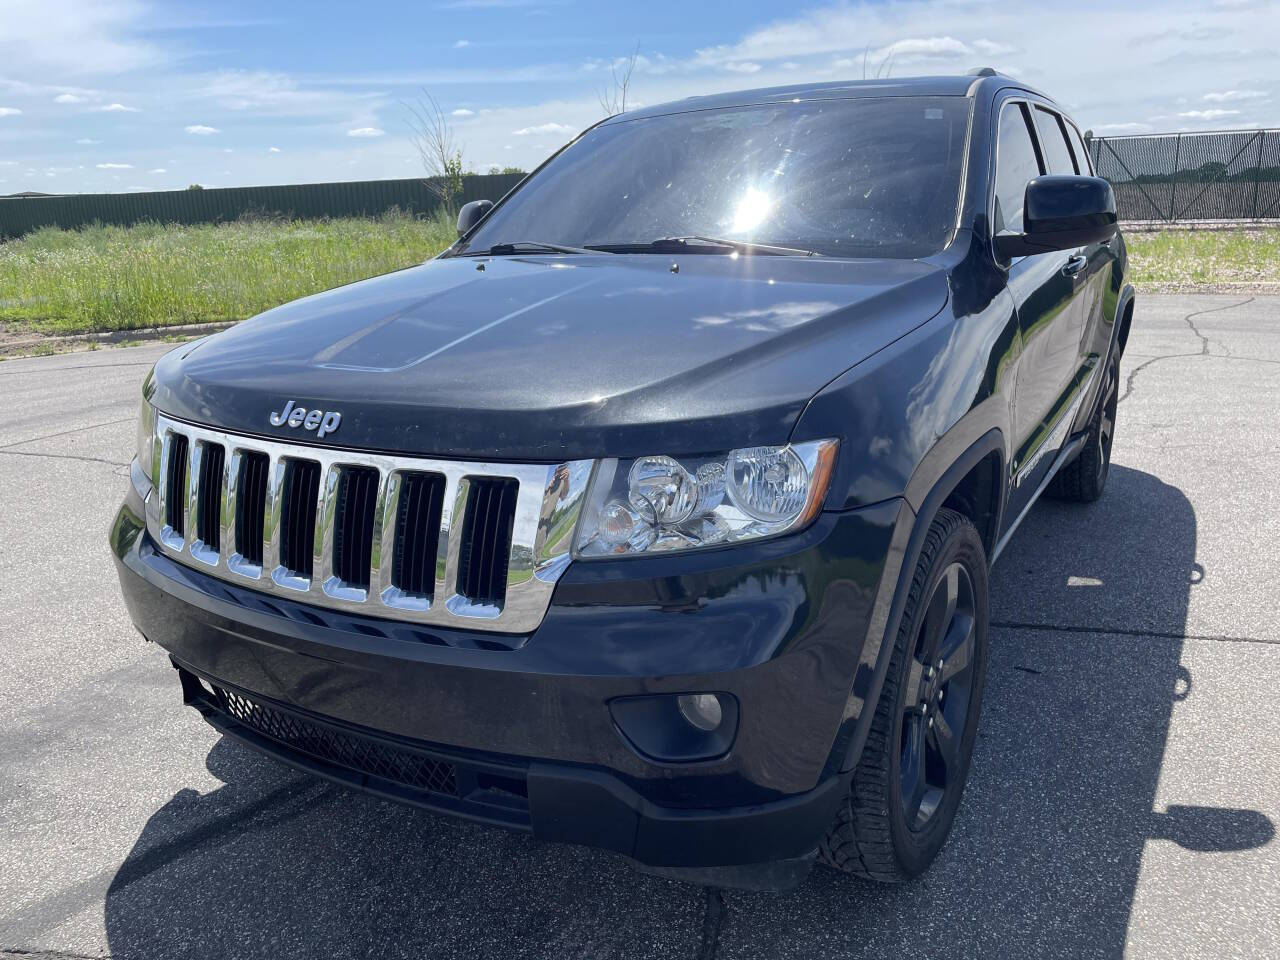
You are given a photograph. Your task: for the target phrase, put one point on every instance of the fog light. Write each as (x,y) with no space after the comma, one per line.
(677,727)
(701,710)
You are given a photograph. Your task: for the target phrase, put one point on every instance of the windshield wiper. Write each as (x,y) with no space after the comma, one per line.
(691,243)
(524,246)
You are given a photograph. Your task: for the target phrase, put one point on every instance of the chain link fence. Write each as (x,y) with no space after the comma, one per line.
(1231,175)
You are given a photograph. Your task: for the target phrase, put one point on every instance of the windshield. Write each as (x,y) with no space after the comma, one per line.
(846,178)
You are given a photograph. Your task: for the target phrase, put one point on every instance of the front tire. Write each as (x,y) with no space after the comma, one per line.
(909,781)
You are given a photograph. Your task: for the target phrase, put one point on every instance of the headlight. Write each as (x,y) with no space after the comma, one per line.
(658,503)
(148,450)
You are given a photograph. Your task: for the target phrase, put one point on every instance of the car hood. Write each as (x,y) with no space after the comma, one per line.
(551,357)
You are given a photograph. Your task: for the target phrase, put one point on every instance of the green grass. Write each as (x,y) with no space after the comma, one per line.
(1187,259)
(115,278)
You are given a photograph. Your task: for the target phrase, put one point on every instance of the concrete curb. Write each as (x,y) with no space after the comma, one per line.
(144,334)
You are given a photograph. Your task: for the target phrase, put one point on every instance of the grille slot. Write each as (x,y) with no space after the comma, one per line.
(353,525)
(251,505)
(417,541)
(486,539)
(176,485)
(298,515)
(209,497)
(334,746)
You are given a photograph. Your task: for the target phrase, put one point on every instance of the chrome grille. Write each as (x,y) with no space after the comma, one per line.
(447,542)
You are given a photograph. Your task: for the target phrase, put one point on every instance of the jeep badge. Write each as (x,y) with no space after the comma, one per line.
(322,421)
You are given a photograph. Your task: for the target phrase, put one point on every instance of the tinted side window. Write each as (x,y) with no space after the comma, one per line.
(1081,152)
(1054,144)
(1016,163)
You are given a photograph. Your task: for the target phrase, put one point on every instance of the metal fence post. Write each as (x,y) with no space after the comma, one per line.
(1173,187)
(1257,174)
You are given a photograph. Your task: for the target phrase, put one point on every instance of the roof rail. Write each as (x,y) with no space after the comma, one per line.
(982,72)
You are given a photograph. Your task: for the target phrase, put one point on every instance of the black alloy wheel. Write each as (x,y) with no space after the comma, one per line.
(1107,421)
(909,780)
(938,691)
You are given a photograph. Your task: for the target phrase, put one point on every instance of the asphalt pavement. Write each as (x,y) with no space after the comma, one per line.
(1123,800)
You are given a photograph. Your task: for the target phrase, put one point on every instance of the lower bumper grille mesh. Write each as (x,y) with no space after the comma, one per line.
(345,750)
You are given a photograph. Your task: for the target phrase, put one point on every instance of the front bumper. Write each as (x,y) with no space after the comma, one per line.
(524,727)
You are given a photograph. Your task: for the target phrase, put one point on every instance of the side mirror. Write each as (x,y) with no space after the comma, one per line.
(1060,213)
(471,214)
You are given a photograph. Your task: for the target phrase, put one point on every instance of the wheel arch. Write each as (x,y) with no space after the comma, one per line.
(1124,318)
(980,467)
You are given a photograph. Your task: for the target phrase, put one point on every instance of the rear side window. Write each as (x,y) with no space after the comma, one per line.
(1054,142)
(1080,150)
(1016,164)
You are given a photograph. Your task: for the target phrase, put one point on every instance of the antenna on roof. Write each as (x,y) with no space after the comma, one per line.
(982,72)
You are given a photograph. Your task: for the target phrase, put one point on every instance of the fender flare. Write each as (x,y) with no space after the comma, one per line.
(1127,296)
(1087,410)
(912,530)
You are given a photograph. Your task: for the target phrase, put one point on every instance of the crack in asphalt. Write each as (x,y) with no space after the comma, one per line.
(45,371)
(1205,341)
(7,952)
(1123,632)
(1204,346)
(59,456)
(712,919)
(63,433)
(1128,383)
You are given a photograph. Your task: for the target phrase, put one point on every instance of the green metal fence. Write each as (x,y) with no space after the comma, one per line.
(21,215)
(1227,175)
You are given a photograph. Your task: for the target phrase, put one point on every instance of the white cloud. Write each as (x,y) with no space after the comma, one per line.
(158,170)
(543,128)
(1212,114)
(273,149)
(200,130)
(115,166)
(992,48)
(65,38)
(461,43)
(9,111)
(366,132)
(273,93)
(744,66)
(1123,128)
(464,112)
(85,141)
(1231,96)
(923,48)
(69,98)
(117,108)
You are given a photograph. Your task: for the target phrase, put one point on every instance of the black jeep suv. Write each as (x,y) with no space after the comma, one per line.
(656,513)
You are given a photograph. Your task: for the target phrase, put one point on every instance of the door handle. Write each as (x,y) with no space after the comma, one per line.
(1075,265)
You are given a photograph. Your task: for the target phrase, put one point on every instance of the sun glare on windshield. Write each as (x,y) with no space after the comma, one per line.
(751,210)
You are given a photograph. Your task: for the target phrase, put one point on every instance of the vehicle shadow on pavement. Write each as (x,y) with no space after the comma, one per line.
(1089,605)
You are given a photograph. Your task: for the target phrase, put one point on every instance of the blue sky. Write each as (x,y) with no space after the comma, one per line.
(117,95)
